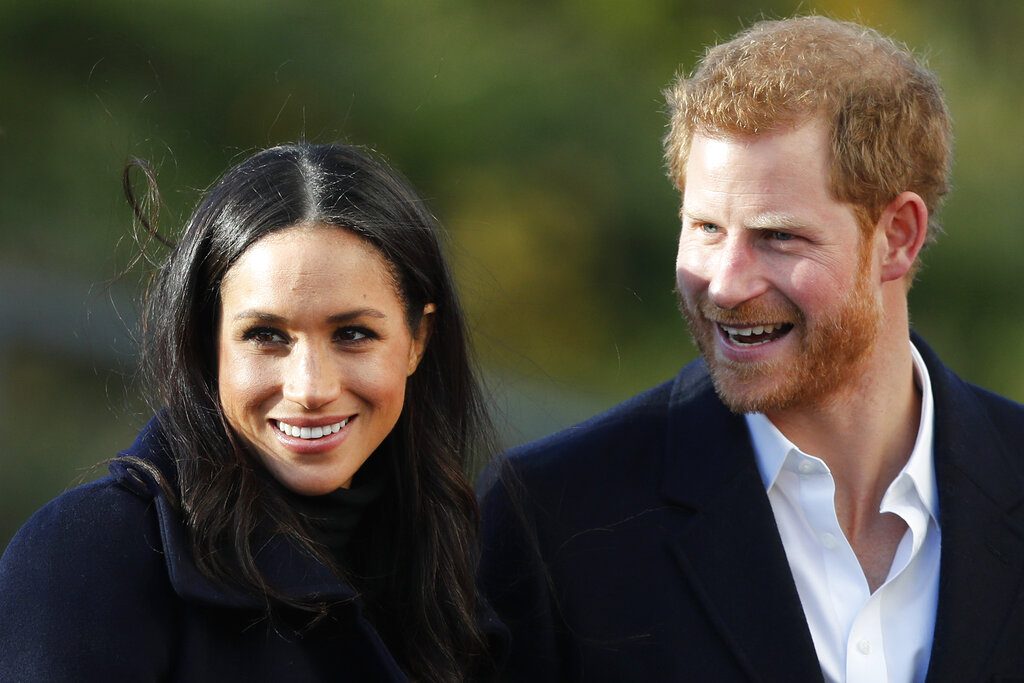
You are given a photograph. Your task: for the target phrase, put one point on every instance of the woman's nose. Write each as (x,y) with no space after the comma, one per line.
(311,380)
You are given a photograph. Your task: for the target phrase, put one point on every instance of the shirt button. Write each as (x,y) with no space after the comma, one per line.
(829,541)
(864,647)
(805,467)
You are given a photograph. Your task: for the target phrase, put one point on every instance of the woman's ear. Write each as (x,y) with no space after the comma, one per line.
(420,338)
(904,225)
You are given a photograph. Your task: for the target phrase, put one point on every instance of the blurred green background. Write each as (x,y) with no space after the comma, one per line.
(533,128)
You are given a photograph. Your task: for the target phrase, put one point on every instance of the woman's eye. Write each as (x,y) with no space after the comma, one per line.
(265,336)
(354,334)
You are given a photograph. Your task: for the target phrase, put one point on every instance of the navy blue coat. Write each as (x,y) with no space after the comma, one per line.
(100,585)
(650,551)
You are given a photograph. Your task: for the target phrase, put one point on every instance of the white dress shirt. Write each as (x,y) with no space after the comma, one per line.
(859,637)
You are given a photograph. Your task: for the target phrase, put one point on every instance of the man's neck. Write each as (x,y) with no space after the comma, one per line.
(865,434)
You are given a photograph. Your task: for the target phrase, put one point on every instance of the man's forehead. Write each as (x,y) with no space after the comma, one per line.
(814,124)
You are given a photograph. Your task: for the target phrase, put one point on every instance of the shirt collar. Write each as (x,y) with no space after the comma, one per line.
(772,448)
(920,468)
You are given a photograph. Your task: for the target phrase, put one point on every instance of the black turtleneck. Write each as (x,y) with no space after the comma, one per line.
(333,517)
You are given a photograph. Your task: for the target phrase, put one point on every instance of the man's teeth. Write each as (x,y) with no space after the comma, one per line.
(311,432)
(737,333)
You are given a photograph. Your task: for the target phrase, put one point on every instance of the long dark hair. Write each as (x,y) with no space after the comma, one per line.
(423,597)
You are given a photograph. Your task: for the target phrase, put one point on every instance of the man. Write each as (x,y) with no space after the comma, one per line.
(818,498)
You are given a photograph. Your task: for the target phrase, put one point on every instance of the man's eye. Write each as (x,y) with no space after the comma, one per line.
(780,236)
(265,335)
(709,228)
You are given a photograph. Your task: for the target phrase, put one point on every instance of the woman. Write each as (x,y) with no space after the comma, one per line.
(297,509)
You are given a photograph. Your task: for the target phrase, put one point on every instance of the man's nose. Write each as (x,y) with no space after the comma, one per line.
(311,380)
(735,273)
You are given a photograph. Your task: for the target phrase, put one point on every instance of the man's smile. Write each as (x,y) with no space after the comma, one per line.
(754,335)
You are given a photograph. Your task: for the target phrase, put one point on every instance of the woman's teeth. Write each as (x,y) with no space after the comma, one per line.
(311,432)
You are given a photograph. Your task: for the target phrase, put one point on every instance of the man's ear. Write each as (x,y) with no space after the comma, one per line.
(421,336)
(904,227)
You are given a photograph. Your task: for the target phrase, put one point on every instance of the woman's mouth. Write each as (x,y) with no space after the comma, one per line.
(311,433)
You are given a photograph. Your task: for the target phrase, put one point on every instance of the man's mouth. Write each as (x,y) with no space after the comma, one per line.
(311,433)
(754,335)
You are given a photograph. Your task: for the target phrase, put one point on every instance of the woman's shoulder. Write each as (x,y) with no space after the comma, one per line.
(84,588)
(97,537)
(88,520)
(111,522)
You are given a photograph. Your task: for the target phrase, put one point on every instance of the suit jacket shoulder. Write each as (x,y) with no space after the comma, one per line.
(603,433)
(628,437)
(609,451)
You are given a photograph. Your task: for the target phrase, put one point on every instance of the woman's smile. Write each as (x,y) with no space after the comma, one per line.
(317,432)
(322,438)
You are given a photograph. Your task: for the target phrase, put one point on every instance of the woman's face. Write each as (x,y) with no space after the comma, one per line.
(313,353)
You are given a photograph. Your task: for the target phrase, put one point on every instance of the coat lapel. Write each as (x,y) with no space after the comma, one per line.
(730,550)
(287,568)
(982,523)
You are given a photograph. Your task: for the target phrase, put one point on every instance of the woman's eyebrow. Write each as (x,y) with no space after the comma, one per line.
(254,314)
(346,316)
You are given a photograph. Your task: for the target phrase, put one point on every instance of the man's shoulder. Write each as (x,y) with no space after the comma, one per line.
(954,394)
(978,433)
(1006,419)
(1006,414)
(637,414)
(633,430)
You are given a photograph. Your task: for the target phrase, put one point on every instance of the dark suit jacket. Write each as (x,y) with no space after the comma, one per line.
(641,546)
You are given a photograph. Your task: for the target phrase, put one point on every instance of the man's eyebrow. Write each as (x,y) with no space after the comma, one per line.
(336,318)
(762,221)
(774,221)
(695,216)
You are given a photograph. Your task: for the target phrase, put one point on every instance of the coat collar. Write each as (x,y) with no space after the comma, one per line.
(287,568)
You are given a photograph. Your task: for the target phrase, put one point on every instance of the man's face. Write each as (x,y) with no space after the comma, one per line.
(776,283)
